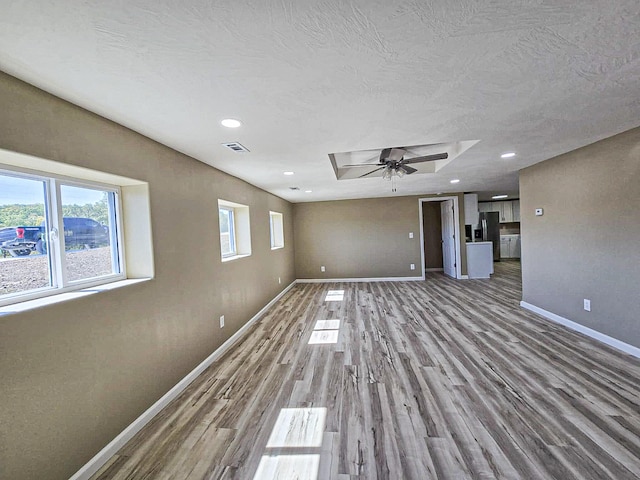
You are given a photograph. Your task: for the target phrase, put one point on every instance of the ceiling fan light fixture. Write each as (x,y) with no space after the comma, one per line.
(401,172)
(231,123)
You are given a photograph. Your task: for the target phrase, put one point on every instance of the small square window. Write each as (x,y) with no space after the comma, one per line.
(277,230)
(235,231)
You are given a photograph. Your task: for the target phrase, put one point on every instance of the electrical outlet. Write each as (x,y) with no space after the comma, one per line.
(412,266)
(587,304)
(410,234)
(221,321)
(322,268)
(539,212)
(279,280)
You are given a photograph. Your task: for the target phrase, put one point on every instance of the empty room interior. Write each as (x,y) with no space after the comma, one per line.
(320,240)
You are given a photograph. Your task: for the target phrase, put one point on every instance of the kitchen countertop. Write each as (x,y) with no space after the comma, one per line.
(479,243)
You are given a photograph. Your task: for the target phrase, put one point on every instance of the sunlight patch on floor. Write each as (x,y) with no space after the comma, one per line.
(288,467)
(301,428)
(334,296)
(327,325)
(298,427)
(319,337)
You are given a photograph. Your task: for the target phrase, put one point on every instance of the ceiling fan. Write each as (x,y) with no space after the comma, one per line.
(394,164)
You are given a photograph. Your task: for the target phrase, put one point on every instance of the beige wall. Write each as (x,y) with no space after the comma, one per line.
(586,243)
(75,374)
(366,238)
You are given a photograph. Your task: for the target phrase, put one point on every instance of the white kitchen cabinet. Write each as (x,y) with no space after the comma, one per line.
(509,210)
(485,207)
(471,209)
(504,247)
(506,212)
(516,210)
(509,246)
(514,247)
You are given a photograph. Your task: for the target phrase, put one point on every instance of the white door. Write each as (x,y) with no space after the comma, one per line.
(448,239)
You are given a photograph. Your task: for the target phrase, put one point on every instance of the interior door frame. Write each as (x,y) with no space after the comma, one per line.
(447,238)
(456,229)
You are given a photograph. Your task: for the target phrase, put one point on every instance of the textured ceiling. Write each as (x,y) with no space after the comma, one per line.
(310,78)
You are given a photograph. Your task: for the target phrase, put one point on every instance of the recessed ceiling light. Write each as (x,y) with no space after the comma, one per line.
(455,180)
(308,191)
(498,197)
(231,123)
(508,155)
(288,173)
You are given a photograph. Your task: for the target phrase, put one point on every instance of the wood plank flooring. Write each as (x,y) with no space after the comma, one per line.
(440,379)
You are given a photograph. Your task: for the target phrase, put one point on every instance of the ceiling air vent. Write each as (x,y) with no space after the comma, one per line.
(236,147)
(294,188)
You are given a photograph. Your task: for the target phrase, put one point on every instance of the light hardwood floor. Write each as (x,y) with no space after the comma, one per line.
(413,380)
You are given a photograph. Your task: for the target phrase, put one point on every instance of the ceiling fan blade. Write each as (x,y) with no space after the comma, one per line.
(408,170)
(372,171)
(426,158)
(363,165)
(394,154)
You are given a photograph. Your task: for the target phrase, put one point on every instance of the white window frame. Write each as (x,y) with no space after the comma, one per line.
(276,227)
(54,220)
(231,219)
(241,229)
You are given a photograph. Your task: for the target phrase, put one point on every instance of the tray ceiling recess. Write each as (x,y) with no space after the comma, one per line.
(354,165)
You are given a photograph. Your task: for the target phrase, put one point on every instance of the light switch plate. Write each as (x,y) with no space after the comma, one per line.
(539,212)
(410,234)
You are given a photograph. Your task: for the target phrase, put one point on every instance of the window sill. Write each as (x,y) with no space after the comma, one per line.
(63,297)
(235,257)
(277,248)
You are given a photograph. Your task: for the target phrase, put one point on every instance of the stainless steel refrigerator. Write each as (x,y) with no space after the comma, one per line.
(490,225)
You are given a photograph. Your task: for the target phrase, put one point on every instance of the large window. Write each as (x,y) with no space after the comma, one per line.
(277,230)
(56,234)
(235,232)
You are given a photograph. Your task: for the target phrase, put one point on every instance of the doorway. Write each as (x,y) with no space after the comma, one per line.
(439,234)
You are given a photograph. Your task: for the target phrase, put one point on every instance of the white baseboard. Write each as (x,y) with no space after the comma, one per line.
(374,279)
(613,342)
(93,465)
